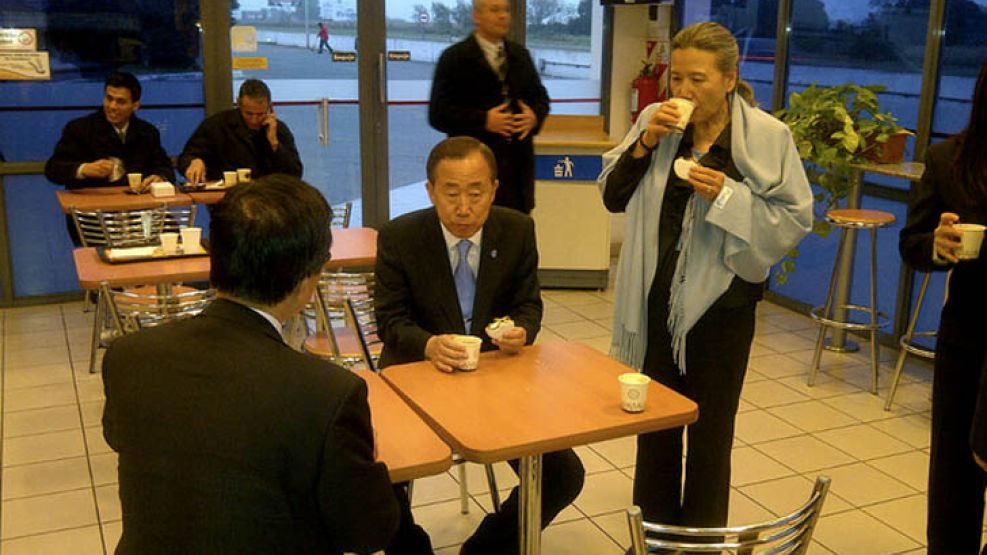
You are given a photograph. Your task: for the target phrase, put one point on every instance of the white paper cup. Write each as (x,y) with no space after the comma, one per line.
(243,175)
(973,236)
(685,107)
(633,391)
(472,344)
(135,180)
(191,239)
(169,242)
(229,179)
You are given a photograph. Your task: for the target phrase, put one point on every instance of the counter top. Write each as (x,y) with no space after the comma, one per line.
(569,131)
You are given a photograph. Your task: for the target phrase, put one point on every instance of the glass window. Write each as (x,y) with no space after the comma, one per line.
(754,24)
(565,38)
(964,49)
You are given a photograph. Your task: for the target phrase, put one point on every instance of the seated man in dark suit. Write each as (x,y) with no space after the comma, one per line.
(248,136)
(230,441)
(102,148)
(92,145)
(451,269)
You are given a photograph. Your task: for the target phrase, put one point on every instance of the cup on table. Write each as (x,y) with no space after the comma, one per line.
(472,344)
(169,242)
(191,239)
(229,179)
(685,107)
(973,237)
(633,391)
(243,175)
(135,180)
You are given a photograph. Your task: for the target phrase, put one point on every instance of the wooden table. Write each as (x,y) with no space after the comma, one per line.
(115,198)
(351,247)
(408,447)
(549,397)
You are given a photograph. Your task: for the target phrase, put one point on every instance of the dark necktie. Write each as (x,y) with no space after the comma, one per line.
(123,135)
(465,283)
(501,61)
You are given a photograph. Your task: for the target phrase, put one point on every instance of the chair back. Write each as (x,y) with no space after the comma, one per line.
(134,309)
(787,535)
(129,228)
(333,324)
(361,315)
(341,215)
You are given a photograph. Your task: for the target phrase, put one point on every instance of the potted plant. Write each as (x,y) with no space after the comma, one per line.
(835,128)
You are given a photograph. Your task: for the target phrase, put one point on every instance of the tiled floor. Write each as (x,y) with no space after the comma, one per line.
(59,479)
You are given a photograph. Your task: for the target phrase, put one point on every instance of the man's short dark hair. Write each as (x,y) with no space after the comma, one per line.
(256,89)
(124,80)
(458,148)
(268,235)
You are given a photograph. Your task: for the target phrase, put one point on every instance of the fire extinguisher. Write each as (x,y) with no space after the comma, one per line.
(644,91)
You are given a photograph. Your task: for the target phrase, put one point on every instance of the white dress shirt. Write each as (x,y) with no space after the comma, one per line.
(473,258)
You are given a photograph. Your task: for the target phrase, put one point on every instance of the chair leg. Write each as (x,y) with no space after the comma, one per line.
(411,490)
(874,348)
(827,310)
(464,496)
(492,484)
(906,339)
(97,332)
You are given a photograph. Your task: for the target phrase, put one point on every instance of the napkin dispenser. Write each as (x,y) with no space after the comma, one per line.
(162,189)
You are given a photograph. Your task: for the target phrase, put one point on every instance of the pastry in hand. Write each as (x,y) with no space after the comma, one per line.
(682,167)
(499,327)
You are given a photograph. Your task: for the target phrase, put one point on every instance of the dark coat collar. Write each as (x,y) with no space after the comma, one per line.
(241,316)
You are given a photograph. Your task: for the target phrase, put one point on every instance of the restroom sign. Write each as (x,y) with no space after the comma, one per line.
(568,167)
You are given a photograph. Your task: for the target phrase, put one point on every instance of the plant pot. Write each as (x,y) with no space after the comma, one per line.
(891,152)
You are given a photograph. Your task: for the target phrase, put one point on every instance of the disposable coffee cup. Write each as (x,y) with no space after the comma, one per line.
(243,175)
(973,237)
(229,179)
(633,391)
(191,239)
(169,243)
(685,107)
(135,180)
(472,344)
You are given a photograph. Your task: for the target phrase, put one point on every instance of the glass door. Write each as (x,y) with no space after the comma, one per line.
(305,50)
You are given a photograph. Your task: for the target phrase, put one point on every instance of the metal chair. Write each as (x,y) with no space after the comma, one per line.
(122,229)
(131,311)
(335,338)
(341,215)
(789,534)
(907,345)
(851,219)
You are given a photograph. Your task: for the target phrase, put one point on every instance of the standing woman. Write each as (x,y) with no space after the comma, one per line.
(696,254)
(953,190)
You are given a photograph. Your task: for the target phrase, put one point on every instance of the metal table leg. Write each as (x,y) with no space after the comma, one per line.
(529,513)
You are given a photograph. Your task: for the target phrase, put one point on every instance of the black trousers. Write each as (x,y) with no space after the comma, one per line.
(562,480)
(956,483)
(717,350)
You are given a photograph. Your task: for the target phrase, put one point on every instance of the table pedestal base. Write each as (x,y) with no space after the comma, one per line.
(529,511)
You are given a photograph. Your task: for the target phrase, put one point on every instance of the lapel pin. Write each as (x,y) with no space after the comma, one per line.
(493,253)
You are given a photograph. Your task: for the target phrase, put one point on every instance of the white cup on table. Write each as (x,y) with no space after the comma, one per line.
(169,242)
(633,391)
(135,180)
(243,175)
(191,239)
(229,178)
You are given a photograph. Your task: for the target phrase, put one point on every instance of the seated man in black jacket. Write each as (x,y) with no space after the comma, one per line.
(248,136)
(102,148)
(230,441)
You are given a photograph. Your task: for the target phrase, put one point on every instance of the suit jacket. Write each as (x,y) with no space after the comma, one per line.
(225,143)
(978,435)
(232,442)
(938,191)
(416,296)
(92,137)
(465,87)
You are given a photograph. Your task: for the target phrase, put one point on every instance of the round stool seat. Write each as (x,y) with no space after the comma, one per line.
(858,217)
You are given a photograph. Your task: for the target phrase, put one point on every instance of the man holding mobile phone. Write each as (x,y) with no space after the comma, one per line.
(248,136)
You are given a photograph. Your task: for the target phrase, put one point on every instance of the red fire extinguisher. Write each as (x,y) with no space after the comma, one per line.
(644,91)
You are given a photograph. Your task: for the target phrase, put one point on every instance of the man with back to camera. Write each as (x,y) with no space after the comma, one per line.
(100,149)
(487,87)
(451,269)
(229,440)
(248,136)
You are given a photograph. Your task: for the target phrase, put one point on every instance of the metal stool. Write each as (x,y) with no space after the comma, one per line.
(906,343)
(850,219)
